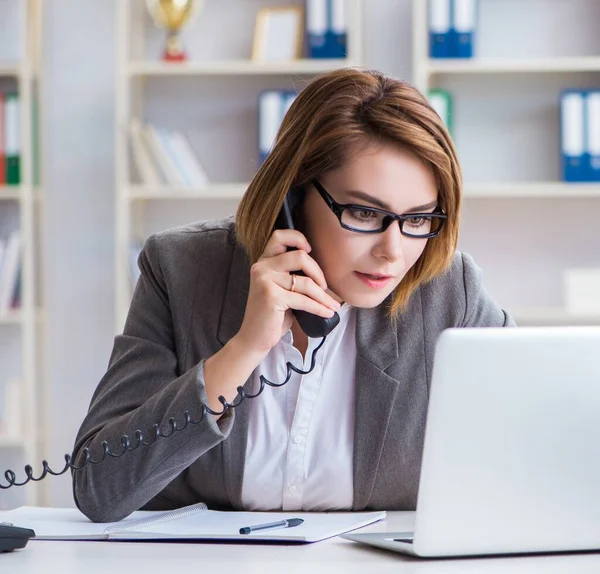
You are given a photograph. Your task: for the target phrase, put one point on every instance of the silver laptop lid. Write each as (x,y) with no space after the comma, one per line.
(511,459)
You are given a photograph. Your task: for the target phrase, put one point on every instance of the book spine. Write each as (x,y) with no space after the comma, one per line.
(12,142)
(10,271)
(2,140)
(147,171)
(572,123)
(593,136)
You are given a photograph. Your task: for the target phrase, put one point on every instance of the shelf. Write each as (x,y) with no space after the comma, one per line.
(531,189)
(8,70)
(11,192)
(235,67)
(11,442)
(215,191)
(11,318)
(513,65)
(553,316)
(471,190)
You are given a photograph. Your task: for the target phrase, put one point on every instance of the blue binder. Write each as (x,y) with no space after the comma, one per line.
(326,29)
(338,28)
(573,136)
(440,37)
(592,134)
(464,17)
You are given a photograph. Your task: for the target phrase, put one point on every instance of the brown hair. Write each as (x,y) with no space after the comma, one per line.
(335,112)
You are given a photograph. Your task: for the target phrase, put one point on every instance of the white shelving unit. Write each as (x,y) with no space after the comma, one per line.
(215,92)
(21,329)
(513,84)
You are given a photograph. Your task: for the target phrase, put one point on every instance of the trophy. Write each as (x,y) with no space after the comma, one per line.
(173,15)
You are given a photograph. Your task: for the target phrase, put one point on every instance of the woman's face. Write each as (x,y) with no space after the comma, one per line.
(363,269)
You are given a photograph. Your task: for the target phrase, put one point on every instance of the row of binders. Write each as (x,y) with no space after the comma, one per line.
(10,163)
(452,26)
(580,135)
(10,272)
(326,29)
(164,157)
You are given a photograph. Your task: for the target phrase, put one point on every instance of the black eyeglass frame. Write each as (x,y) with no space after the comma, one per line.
(389,217)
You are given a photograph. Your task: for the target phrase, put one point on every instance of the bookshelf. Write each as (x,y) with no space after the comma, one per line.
(21,207)
(507,96)
(213,96)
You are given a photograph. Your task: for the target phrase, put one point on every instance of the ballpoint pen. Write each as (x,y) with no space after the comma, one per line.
(289,523)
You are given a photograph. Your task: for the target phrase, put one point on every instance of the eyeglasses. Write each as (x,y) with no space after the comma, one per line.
(366,219)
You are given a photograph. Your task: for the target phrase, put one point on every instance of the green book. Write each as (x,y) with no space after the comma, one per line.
(441,102)
(12,139)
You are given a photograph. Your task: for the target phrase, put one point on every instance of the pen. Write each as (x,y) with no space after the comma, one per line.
(289,523)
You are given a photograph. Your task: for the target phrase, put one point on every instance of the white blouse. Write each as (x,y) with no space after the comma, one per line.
(300,447)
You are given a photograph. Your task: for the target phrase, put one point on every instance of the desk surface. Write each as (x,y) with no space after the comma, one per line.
(332,556)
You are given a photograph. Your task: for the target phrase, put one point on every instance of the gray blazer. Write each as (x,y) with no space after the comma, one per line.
(189,301)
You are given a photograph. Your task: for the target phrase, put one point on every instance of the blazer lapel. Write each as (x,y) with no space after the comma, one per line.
(377,348)
(232,315)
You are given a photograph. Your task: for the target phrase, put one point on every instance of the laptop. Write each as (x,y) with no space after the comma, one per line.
(511,459)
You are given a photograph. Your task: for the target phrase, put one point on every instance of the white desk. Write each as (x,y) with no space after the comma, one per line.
(332,556)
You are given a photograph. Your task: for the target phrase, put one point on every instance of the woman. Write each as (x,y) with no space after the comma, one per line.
(377,188)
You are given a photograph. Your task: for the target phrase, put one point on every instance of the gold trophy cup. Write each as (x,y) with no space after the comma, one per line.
(173,15)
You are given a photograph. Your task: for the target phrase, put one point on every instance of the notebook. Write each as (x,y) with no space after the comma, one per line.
(195,522)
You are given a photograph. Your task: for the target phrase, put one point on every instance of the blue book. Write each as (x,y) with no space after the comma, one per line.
(592,134)
(464,16)
(439,17)
(317,28)
(572,135)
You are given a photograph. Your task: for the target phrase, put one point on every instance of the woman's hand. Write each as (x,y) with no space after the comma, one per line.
(271,298)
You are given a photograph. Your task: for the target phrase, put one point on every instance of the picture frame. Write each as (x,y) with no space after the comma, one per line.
(279,34)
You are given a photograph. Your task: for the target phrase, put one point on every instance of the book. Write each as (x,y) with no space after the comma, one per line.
(441,102)
(142,158)
(2,140)
(592,135)
(464,14)
(9,275)
(439,17)
(194,522)
(12,143)
(572,135)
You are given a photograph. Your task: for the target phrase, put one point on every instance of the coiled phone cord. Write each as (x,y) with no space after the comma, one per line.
(11,477)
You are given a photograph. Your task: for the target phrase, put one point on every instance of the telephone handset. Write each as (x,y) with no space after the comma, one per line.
(312,325)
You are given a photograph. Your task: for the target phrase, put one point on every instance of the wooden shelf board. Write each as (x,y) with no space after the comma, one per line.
(11,318)
(11,442)
(215,191)
(235,67)
(513,65)
(531,189)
